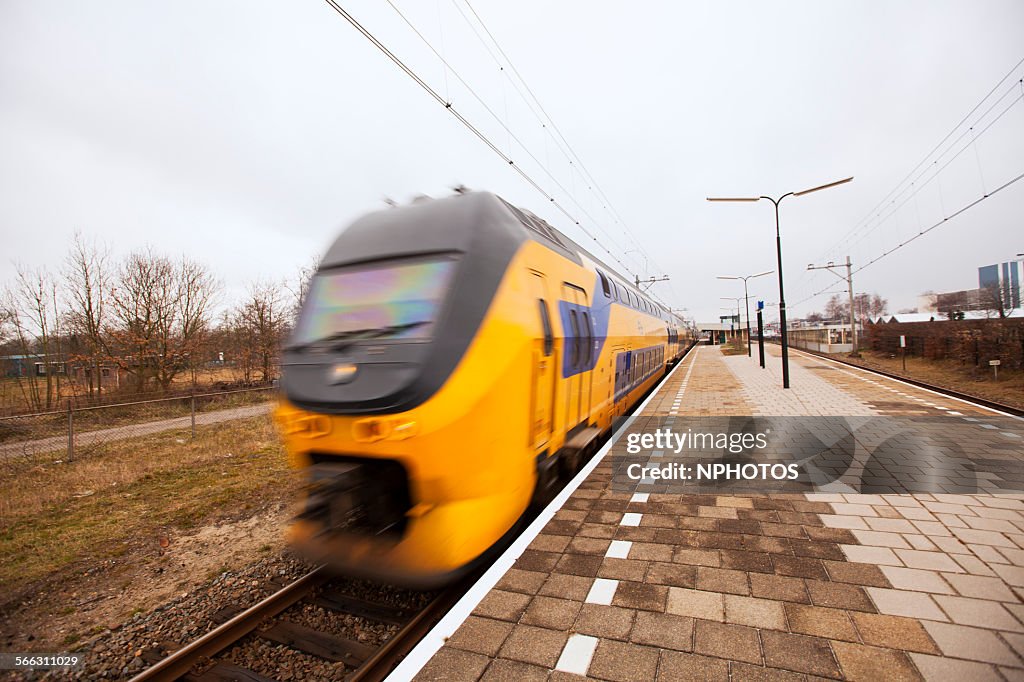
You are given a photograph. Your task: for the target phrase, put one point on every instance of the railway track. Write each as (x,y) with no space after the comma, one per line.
(202,659)
(967,397)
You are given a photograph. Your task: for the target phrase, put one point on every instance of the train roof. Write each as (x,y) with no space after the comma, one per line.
(478,223)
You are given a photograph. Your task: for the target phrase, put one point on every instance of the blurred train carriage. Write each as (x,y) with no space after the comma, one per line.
(453,357)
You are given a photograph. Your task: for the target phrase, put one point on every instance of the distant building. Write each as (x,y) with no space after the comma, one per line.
(1004,278)
(960,301)
(927,303)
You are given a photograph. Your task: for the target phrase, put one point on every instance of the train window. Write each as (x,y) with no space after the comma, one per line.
(397,299)
(545,322)
(575,357)
(604,284)
(618,291)
(587,339)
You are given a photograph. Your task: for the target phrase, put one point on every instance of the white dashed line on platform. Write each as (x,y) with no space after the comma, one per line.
(619,549)
(633,519)
(576,655)
(640,497)
(602,591)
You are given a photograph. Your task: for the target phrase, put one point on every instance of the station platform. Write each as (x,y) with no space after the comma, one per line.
(773,586)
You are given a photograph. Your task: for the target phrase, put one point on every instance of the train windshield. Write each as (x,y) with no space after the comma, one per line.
(395,300)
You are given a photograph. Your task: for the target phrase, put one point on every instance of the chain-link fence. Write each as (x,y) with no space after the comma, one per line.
(75,431)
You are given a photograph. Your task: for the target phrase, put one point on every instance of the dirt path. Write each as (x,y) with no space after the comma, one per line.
(54,443)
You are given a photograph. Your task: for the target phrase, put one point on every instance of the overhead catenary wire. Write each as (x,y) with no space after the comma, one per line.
(568,150)
(935,174)
(921,233)
(876,213)
(927,156)
(499,120)
(929,166)
(465,122)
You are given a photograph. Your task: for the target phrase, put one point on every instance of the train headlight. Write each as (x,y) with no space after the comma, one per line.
(342,373)
(372,430)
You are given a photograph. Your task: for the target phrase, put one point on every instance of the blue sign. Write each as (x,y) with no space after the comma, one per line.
(760,305)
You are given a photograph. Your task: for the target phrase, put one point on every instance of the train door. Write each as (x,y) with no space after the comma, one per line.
(577,348)
(543,367)
(588,349)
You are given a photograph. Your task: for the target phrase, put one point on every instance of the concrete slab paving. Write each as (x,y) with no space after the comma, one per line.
(821,585)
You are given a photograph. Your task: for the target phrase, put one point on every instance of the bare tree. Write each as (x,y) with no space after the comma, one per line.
(261,323)
(869,306)
(299,288)
(878,306)
(33,317)
(993,302)
(6,324)
(86,281)
(814,318)
(160,313)
(836,308)
(196,291)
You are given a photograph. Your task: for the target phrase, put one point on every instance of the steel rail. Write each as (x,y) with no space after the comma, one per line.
(966,397)
(223,636)
(378,666)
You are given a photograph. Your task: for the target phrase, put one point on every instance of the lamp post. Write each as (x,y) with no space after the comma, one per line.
(746,300)
(738,319)
(778,249)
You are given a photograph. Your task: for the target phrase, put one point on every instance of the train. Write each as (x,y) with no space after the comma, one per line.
(453,358)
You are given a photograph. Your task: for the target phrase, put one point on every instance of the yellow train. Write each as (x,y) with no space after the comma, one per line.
(451,359)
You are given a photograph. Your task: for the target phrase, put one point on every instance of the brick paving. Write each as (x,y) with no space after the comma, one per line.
(660,586)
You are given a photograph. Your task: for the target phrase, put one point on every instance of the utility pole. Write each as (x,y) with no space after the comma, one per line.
(849,287)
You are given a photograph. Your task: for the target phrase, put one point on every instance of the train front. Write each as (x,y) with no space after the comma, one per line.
(389,402)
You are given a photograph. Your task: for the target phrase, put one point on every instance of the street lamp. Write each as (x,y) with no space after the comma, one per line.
(778,248)
(746,300)
(738,320)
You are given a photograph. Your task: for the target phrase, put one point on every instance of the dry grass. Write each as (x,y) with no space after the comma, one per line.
(53,516)
(1009,390)
(735,347)
(32,427)
(13,398)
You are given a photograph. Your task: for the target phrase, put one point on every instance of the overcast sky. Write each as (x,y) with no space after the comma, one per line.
(247,134)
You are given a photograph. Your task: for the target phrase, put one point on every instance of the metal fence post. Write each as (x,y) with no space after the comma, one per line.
(71,431)
(192,398)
